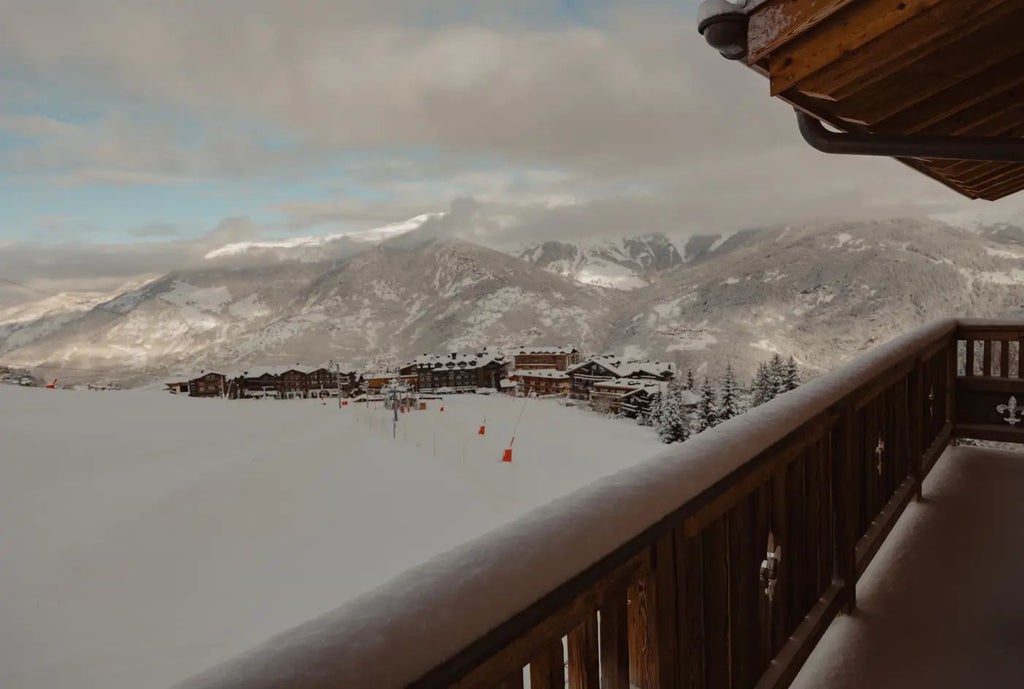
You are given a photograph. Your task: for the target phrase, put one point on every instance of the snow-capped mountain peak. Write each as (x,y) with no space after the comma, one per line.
(623,264)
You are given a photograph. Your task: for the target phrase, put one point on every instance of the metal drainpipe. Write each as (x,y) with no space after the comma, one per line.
(989,149)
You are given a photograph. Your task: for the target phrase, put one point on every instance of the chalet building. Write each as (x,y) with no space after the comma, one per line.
(266,385)
(294,384)
(632,397)
(208,385)
(324,382)
(583,377)
(458,372)
(178,387)
(541,382)
(540,358)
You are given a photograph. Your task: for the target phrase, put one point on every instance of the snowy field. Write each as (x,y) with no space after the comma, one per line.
(145,537)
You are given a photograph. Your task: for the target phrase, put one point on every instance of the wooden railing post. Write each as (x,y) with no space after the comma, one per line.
(844,492)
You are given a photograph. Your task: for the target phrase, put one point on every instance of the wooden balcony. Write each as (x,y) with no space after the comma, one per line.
(658,576)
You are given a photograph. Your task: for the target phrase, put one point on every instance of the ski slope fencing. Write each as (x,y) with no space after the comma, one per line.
(668,558)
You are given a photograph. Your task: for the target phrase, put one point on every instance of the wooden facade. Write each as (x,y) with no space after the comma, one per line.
(541,358)
(583,377)
(939,68)
(457,372)
(550,381)
(208,385)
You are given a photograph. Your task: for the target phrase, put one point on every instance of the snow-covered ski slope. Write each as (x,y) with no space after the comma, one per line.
(145,537)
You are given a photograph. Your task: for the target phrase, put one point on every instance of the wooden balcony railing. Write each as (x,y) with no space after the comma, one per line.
(661,576)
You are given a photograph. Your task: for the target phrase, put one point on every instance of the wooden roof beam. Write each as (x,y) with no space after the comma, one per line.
(954,64)
(1003,189)
(905,45)
(956,98)
(844,32)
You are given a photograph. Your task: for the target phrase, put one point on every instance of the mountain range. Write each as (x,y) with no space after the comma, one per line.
(820,293)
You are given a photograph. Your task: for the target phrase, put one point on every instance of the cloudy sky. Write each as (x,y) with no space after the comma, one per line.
(135,136)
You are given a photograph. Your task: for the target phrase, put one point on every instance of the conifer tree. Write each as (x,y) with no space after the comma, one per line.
(791,376)
(730,404)
(707,409)
(762,389)
(670,419)
(777,368)
(689,379)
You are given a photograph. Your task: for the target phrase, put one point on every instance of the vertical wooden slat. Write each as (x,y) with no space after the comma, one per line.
(653,636)
(916,412)
(762,526)
(744,565)
(642,652)
(843,497)
(813,523)
(986,358)
(795,561)
(583,656)
(780,528)
(615,643)
(868,460)
(1004,359)
(666,613)
(950,383)
(691,612)
(716,605)
(969,351)
(826,568)
(547,669)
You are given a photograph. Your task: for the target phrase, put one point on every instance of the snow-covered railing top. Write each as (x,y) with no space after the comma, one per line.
(397,633)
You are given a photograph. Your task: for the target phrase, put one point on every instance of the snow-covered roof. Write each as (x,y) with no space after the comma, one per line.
(632,386)
(256,370)
(625,368)
(546,350)
(542,373)
(457,360)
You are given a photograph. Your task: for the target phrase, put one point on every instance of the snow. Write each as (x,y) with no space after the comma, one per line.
(1003,253)
(146,536)
(201,298)
(731,281)
(489,579)
(372,235)
(940,604)
(995,277)
(607,274)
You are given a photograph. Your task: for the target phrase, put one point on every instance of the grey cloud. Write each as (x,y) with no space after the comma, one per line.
(628,125)
(156,229)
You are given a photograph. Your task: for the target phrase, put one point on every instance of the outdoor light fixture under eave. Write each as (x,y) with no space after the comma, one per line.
(723,24)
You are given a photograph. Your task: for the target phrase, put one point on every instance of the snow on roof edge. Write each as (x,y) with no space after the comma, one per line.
(493,577)
(712,8)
